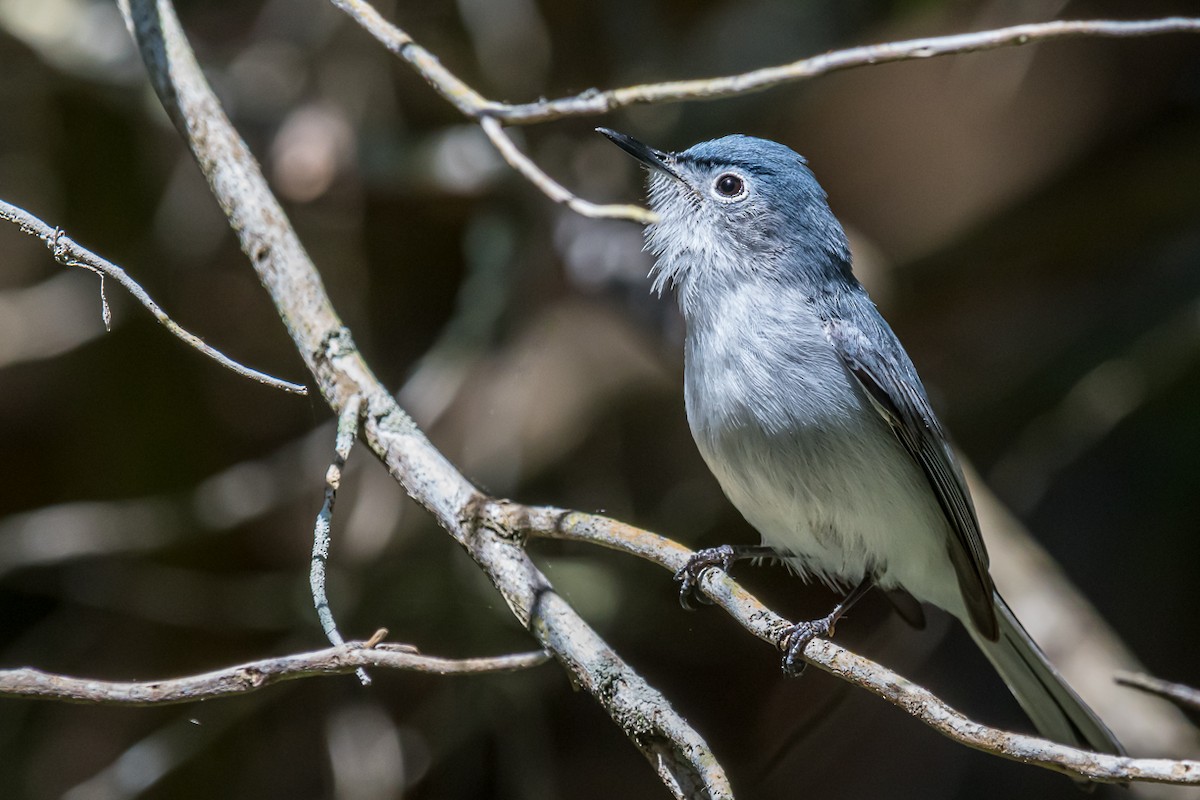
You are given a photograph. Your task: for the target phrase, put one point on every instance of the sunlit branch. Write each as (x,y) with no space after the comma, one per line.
(759,620)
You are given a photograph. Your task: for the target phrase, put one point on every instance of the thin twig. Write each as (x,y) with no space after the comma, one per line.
(69,253)
(1178,693)
(61,257)
(243,678)
(349,423)
(479,108)
(759,620)
(551,188)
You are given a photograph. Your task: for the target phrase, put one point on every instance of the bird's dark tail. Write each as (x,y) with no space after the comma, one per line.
(1052,705)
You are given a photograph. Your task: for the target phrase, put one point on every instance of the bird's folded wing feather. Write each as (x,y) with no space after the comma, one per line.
(876,359)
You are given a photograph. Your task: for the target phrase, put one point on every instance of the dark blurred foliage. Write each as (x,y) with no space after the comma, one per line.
(1028,219)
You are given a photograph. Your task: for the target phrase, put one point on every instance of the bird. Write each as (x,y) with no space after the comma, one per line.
(810,414)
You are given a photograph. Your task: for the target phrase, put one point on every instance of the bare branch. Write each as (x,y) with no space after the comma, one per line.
(244,678)
(456,92)
(594,102)
(551,188)
(1178,693)
(349,423)
(597,102)
(69,253)
(477,107)
(879,680)
(680,756)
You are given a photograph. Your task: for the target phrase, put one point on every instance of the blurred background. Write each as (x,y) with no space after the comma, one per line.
(1028,219)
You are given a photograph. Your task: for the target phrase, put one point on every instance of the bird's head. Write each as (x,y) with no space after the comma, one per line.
(738,209)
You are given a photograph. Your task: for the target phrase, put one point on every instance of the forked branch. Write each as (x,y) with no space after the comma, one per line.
(490,113)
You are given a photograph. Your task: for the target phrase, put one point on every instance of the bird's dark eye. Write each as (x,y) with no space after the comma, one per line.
(729,185)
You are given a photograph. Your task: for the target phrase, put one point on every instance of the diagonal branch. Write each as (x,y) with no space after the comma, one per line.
(555,523)
(679,755)
(69,253)
(244,678)
(552,188)
(479,108)
(455,91)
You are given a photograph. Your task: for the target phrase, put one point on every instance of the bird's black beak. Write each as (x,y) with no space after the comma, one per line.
(654,159)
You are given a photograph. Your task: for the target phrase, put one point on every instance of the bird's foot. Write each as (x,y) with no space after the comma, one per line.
(689,576)
(797,637)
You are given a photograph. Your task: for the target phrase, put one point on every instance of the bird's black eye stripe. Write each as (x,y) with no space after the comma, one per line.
(729,185)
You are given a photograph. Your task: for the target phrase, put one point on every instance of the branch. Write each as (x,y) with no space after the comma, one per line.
(479,108)
(756,618)
(455,91)
(679,755)
(349,422)
(245,678)
(67,252)
(1177,693)
(552,188)
(594,102)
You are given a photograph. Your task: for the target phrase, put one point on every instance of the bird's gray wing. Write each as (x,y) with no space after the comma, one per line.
(876,359)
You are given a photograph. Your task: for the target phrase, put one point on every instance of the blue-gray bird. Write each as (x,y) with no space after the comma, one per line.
(810,414)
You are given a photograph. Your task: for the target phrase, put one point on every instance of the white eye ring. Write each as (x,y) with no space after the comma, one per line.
(730,187)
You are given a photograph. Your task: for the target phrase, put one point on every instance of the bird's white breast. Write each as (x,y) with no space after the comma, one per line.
(798,449)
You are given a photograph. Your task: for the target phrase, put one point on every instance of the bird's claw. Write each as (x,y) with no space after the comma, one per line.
(689,575)
(796,638)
